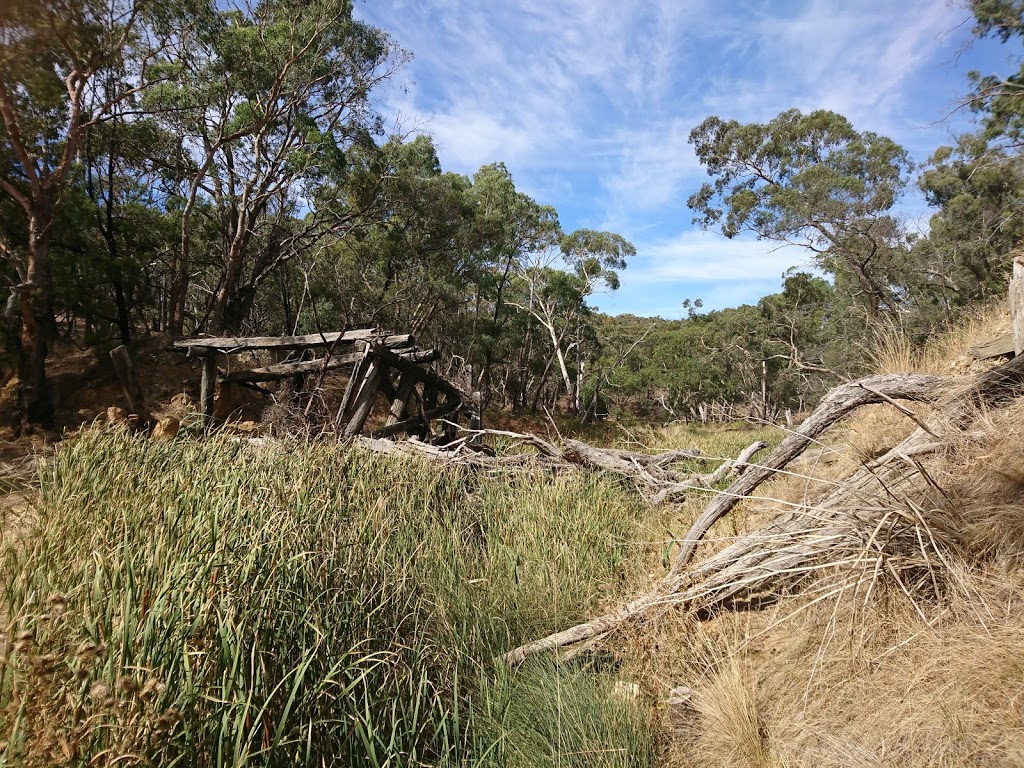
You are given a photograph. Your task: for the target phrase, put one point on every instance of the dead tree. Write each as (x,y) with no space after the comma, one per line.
(654,475)
(795,541)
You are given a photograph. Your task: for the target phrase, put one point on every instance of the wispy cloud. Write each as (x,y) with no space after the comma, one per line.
(592,101)
(704,257)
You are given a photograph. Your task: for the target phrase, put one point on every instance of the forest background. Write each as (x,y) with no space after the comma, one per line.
(181,167)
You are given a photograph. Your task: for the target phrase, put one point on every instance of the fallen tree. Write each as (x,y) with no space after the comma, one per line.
(653,474)
(865,518)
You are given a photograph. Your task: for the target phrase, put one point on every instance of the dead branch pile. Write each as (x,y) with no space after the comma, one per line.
(655,476)
(863,521)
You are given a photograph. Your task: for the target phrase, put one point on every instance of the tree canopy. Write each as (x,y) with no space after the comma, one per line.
(189,166)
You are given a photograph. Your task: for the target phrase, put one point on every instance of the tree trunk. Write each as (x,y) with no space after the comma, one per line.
(237,308)
(179,286)
(219,320)
(37,323)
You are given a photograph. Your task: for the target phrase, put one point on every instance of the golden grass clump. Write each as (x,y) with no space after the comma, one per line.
(902,645)
(944,353)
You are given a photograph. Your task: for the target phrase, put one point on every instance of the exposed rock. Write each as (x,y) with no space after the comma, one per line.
(116,415)
(231,401)
(250,428)
(680,697)
(166,428)
(8,401)
(181,405)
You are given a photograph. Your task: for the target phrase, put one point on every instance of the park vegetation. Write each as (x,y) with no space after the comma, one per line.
(187,167)
(179,167)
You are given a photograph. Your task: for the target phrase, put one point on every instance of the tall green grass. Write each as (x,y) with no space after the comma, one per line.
(224,603)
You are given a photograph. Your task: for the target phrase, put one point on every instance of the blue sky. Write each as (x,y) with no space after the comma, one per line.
(590,102)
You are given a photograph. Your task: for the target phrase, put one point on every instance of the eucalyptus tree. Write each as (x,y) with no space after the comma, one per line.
(510,229)
(413,264)
(53,53)
(978,193)
(814,181)
(558,298)
(1000,100)
(267,98)
(121,176)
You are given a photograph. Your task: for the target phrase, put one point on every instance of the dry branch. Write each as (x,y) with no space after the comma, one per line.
(651,473)
(844,521)
(838,404)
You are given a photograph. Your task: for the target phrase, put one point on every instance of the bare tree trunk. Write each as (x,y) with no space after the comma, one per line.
(37,322)
(179,286)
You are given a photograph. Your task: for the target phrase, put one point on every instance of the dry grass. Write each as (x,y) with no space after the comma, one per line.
(947,353)
(732,721)
(905,648)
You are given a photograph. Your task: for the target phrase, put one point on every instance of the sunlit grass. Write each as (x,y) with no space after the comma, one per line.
(228,603)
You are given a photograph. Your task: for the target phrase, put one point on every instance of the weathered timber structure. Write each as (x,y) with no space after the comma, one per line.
(377,362)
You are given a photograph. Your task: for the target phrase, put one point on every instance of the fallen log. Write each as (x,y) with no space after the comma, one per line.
(839,403)
(838,528)
(650,473)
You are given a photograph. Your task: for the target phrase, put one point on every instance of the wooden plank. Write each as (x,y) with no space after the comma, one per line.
(406,383)
(475,420)
(132,389)
(309,341)
(387,388)
(421,374)
(284,370)
(364,400)
(429,397)
(1017,305)
(350,389)
(1000,346)
(412,422)
(207,386)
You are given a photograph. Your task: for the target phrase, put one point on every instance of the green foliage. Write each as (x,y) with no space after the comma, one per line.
(790,342)
(218,603)
(1000,100)
(978,194)
(815,181)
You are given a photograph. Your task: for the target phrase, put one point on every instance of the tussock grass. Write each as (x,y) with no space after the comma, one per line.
(902,647)
(223,603)
(894,351)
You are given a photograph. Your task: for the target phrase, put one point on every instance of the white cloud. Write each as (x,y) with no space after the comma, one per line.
(696,256)
(592,101)
(649,170)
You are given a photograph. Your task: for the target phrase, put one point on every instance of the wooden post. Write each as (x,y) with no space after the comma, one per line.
(208,387)
(473,412)
(132,389)
(1017,304)
(363,403)
(350,390)
(406,384)
(451,428)
(429,404)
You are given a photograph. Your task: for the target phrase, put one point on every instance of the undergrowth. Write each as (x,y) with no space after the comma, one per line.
(221,603)
(275,603)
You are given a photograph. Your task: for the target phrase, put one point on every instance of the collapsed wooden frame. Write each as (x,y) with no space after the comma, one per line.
(419,395)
